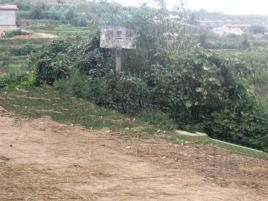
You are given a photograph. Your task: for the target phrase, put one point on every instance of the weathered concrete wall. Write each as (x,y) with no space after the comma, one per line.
(7,18)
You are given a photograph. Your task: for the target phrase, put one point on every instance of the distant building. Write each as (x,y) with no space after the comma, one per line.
(8,16)
(228,30)
(215,24)
(210,24)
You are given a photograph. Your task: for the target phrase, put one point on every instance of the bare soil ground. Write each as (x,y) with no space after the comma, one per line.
(44,160)
(36,35)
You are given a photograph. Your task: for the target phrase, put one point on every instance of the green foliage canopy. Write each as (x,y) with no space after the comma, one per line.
(199,89)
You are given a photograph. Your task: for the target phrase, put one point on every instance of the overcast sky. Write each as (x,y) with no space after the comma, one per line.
(227,6)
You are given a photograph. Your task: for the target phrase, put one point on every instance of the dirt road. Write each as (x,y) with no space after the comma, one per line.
(44,160)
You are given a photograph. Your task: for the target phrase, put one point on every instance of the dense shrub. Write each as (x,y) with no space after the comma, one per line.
(25,50)
(17,32)
(38,11)
(197,88)
(63,13)
(27,82)
(248,129)
(84,87)
(51,64)
(258,29)
(60,57)
(79,21)
(125,93)
(128,94)
(11,79)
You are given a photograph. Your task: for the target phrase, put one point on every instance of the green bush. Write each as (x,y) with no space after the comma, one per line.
(51,64)
(29,81)
(248,129)
(38,11)
(125,93)
(63,13)
(84,87)
(128,94)
(22,51)
(258,29)
(80,21)
(60,57)
(199,89)
(17,32)
(11,80)
(196,87)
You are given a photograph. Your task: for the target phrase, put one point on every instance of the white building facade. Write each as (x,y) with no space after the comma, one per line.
(8,16)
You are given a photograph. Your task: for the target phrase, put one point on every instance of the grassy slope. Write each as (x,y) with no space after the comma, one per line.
(64,108)
(256,59)
(39,102)
(10,63)
(54,27)
(18,64)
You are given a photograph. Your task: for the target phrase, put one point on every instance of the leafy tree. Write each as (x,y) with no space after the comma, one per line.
(69,14)
(38,11)
(80,21)
(258,29)
(53,14)
(193,18)
(245,42)
(204,40)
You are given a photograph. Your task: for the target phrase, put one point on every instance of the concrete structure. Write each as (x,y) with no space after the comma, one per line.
(8,16)
(118,38)
(228,30)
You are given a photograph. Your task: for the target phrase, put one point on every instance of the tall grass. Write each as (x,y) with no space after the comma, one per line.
(257,59)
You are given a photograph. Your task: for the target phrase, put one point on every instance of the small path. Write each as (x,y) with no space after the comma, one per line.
(36,35)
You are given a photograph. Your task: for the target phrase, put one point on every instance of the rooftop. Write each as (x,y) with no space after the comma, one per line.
(8,7)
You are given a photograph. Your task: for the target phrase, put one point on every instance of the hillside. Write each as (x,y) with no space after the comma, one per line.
(150,81)
(124,162)
(71,128)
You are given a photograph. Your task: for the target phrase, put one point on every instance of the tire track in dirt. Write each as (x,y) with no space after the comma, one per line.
(44,160)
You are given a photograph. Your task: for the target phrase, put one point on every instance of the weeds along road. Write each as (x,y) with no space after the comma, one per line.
(44,160)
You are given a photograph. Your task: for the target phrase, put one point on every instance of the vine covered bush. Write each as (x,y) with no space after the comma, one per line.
(199,89)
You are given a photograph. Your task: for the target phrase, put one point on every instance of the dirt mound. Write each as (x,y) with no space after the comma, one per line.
(44,160)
